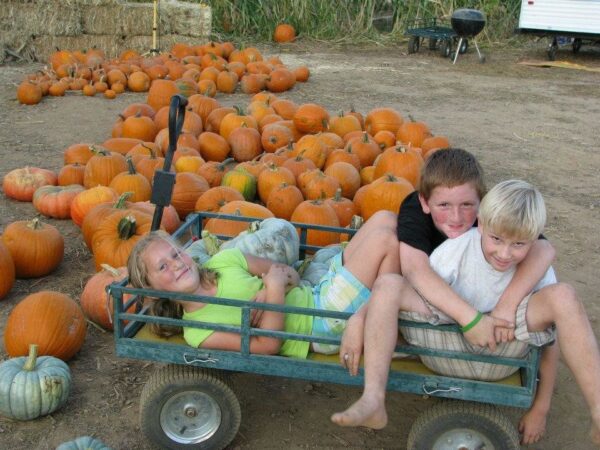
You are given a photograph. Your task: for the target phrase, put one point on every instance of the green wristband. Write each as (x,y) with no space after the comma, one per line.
(472,323)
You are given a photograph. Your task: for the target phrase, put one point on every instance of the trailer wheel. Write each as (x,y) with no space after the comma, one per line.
(576,45)
(184,407)
(432,43)
(445,48)
(413,44)
(552,48)
(463,425)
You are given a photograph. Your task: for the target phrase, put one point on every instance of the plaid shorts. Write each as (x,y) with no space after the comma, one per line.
(447,340)
(338,290)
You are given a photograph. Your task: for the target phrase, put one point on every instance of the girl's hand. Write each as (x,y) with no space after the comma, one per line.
(278,275)
(256,314)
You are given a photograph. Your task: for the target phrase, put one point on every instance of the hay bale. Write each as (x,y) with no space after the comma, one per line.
(188,19)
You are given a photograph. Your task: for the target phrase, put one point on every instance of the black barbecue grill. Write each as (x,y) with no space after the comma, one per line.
(467,23)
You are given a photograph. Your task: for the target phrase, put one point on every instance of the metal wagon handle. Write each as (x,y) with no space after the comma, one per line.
(164,180)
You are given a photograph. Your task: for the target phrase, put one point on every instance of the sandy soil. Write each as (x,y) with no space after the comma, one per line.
(539,124)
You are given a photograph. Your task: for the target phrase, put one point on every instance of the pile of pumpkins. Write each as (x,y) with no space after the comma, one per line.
(205,69)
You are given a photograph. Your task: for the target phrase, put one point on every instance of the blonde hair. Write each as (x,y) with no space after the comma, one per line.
(450,167)
(138,277)
(515,208)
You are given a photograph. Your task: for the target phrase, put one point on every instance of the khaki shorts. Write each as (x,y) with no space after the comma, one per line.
(447,340)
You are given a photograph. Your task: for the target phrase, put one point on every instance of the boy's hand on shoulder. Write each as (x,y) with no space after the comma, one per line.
(483,334)
(504,334)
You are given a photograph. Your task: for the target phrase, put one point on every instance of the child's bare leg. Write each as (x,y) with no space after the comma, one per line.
(391,294)
(559,304)
(374,250)
(533,423)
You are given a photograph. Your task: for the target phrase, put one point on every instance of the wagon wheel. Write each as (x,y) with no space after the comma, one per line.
(464,46)
(189,408)
(453,425)
(552,49)
(413,44)
(445,48)
(576,45)
(432,43)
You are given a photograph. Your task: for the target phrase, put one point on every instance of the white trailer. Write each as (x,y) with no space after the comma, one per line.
(578,20)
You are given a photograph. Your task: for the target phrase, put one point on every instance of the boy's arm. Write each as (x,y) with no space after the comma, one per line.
(417,270)
(529,272)
(533,423)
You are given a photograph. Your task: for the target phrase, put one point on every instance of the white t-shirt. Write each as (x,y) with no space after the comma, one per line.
(460,262)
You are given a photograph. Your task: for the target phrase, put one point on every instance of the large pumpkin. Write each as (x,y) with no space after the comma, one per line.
(311,118)
(85,201)
(7,269)
(51,320)
(386,192)
(32,386)
(103,167)
(244,208)
(96,304)
(116,236)
(36,248)
(20,184)
(319,213)
(188,189)
(401,162)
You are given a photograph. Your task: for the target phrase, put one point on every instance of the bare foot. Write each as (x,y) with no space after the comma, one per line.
(363,413)
(532,426)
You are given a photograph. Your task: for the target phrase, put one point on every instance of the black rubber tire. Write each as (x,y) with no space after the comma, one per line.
(445,48)
(464,46)
(433,43)
(413,44)
(576,45)
(176,381)
(465,424)
(552,48)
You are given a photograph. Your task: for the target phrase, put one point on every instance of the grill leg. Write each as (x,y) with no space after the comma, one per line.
(457,52)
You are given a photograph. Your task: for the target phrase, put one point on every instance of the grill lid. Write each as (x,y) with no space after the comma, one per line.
(467,22)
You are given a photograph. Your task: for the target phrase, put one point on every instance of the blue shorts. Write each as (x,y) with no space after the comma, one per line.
(338,290)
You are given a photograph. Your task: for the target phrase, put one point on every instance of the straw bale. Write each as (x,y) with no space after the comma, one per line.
(138,20)
(51,18)
(188,19)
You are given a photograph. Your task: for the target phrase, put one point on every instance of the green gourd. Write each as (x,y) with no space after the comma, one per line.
(83,443)
(31,387)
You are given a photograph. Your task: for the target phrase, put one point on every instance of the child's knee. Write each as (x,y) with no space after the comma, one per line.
(383,219)
(389,285)
(563,297)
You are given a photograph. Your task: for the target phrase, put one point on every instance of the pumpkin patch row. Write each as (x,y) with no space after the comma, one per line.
(205,69)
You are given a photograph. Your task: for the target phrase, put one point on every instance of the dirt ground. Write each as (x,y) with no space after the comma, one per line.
(539,124)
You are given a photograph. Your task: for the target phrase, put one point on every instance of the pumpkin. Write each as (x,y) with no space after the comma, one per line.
(283,200)
(401,162)
(20,184)
(311,147)
(228,227)
(413,133)
(96,303)
(275,136)
(188,188)
(99,213)
(36,248)
(103,167)
(280,79)
(344,208)
(213,171)
(274,239)
(285,108)
(298,165)
(55,201)
(133,182)
(347,176)
(235,120)
(215,197)
(215,117)
(301,73)
(311,118)
(242,181)
(86,200)
(170,219)
(365,147)
(343,155)
(203,106)
(284,32)
(29,93)
(71,174)
(343,124)
(252,83)
(386,192)
(189,163)
(139,127)
(138,82)
(116,236)
(213,146)
(227,81)
(160,93)
(383,119)
(33,387)
(51,320)
(434,143)
(83,443)
(245,143)
(138,108)
(78,153)
(315,185)
(317,212)
(7,269)
(272,177)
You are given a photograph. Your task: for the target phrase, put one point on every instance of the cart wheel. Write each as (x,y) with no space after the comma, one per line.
(189,408)
(432,44)
(463,425)
(445,48)
(464,46)
(576,45)
(552,49)
(413,44)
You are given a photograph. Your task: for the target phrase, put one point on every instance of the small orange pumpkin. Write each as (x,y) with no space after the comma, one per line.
(55,201)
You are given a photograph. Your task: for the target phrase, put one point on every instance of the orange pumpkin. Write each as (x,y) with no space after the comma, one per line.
(275,136)
(319,213)
(160,93)
(214,171)
(139,127)
(36,248)
(383,119)
(86,200)
(7,269)
(245,143)
(188,188)
(343,124)
(283,200)
(78,153)
(29,93)
(365,147)
(121,145)
(316,185)
(413,133)
(131,181)
(71,174)
(213,146)
(51,320)
(401,162)
(348,177)
(55,201)
(103,167)
(434,143)
(216,197)
(96,304)
(284,32)
(386,192)
(170,219)
(237,208)
(344,208)
(272,177)
(235,120)
(20,184)
(116,236)
(311,118)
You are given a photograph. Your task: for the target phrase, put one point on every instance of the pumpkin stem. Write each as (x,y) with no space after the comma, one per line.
(130,165)
(356,222)
(224,163)
(97,150)
(35,224)
(110,269)
(211,242)
(338,195)
(126,227)
(31,358)
(120,203)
